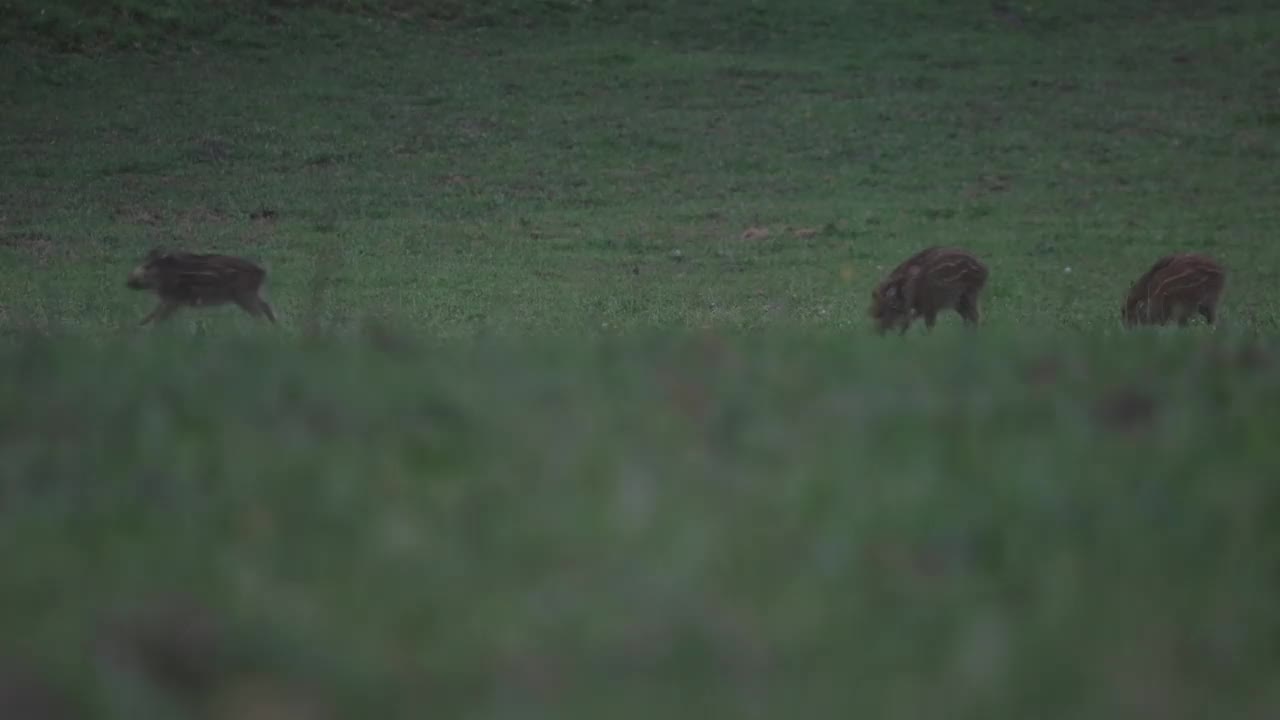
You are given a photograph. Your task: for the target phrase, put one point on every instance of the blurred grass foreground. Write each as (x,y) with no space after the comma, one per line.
(654,525)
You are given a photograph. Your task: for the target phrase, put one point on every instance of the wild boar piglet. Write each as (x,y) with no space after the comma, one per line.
(182,278)
(925,284)
(1175,288)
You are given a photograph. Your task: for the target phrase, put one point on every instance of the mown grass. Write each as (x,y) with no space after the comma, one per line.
(574,409)
(527,181)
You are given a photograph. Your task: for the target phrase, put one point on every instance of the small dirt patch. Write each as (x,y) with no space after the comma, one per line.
(212,150)
(455,180)
(133,214)
(264,215)
(987,185)
(200,215)
(324,161)
(137,215)
(38,246)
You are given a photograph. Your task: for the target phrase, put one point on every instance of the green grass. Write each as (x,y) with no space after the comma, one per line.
(527,182)
(544,431)
(690,523)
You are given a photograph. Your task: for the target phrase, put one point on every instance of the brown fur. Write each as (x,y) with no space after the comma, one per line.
(1175,288)
(932,280)
(199,280)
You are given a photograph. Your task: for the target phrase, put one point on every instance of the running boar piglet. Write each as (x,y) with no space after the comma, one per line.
(199,280)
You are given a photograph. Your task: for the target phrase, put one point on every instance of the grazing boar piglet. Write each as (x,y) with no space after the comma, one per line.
(198,280)
(1176,287)
(927,283)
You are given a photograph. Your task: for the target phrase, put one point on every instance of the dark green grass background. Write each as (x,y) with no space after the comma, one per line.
(574,410)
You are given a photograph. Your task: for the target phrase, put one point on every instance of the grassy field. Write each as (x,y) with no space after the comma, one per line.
(574,409)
